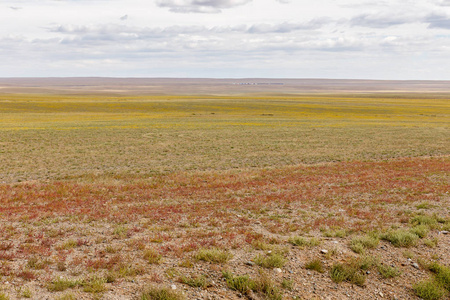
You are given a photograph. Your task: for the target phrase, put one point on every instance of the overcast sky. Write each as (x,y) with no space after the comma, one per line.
(362,39)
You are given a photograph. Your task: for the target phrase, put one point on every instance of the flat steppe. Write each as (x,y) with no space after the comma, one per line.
(224,189)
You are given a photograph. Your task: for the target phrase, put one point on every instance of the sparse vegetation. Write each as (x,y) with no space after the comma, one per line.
(316,265)
(195,281)
(213,255)
(160,293)
(388,271)
(271,260)
(430,290)
(262,284)
(152,257)
(360,243)
(347,272)
(155,189)
(304,242)
(401,238)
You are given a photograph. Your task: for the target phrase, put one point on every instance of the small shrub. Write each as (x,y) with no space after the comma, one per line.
(424,220)
(429,290)
(401,238)
(366,262)
(424,205)
(316,265)
(60,284)
(26,293)
(303,242)
(94,285)
(36,263)
(360,243)
(121,231)
(272,260)
(242,284)
(420,230)
(388,271)
(432,243)
(196,281)
(3,297)
(152,257)
(341,233)
(442,274)
(69,244)
(287,284)
(264,285)
(160,293)
(213,255)
(347,272)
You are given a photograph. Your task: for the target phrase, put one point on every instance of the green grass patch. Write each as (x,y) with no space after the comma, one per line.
(160,293)
(262,285)
(152,256)
(347,272)
(388,271)
(359,243)
(401,238)
(430,289)
(61,284)
(195,281)
(316,265)
(213,255)
(300,241)
(271,260)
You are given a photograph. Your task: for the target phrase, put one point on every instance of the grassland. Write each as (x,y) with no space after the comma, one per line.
(265,197)
(127,135)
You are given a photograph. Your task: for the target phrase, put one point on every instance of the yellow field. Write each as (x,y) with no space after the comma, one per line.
(148,134)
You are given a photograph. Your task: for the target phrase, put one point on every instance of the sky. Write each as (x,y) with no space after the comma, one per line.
(342,39)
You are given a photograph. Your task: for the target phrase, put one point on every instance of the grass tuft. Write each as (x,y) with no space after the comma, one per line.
(303,242)
(359,243)
(152,256)
(271,260)
(350,272)
(401,238)
(196,281)
(213,255)
(388,271)
(160,293)
(429,290)
(316,265)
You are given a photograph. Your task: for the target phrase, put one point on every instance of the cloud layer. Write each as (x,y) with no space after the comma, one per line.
(226,38)
(199,6)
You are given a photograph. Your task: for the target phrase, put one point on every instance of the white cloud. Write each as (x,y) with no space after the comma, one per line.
(264,38)
(200,6)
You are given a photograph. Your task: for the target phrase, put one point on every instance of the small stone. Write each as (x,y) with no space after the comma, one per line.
(173,287)
(409,259)
(278,270)
(367,272)
(415,265)
(444,232)
(270,251)
(250,263)
(381,295)
(323,251)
